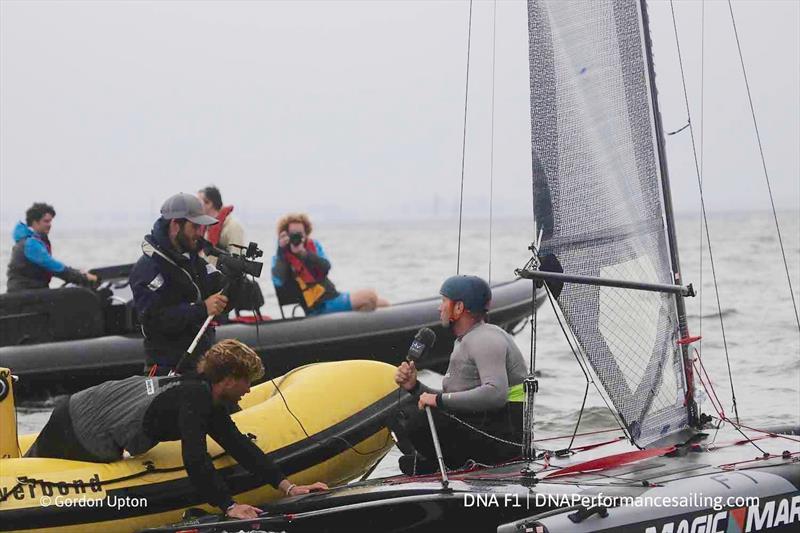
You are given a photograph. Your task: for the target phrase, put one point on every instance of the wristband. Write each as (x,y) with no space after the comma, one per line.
(289,489)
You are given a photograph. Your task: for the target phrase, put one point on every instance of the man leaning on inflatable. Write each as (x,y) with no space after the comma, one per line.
(139,412)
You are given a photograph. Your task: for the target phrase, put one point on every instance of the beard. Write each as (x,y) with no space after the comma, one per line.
(185,243)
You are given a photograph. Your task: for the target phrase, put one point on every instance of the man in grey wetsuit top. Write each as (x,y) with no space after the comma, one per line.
(482,387)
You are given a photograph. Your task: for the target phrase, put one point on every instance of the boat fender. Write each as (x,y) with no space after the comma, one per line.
(585,512)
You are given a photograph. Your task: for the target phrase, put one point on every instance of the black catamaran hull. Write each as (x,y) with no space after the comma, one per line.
(503,499)
(382,335)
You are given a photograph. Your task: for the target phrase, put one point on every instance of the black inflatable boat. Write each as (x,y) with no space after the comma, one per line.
(62,340)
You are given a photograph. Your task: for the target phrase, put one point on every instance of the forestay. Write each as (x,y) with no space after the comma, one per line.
(598,201)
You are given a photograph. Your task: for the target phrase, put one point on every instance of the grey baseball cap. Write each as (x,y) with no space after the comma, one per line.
(186,206)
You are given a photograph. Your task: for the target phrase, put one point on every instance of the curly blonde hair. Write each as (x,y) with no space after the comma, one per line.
(302,218)
(231,358)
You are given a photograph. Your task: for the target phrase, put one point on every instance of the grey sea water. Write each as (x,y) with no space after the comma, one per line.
(408,260)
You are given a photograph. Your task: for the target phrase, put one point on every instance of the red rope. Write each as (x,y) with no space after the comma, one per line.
(712,394)
(740,442)
(730,466)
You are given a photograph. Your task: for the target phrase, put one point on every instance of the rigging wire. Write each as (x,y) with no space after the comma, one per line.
(582,364)
(764,164)
(464,141)
(717,404)
(702,168)
(529,408)
(580,415)
(534,331)
(569,337)
(703,208)
(491,151)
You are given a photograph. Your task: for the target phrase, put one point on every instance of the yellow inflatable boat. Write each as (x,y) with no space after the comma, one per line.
(334,430)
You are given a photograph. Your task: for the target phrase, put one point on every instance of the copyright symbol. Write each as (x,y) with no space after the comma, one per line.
(45,501)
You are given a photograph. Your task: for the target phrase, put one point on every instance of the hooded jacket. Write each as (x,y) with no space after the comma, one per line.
(32,266)
(169,292)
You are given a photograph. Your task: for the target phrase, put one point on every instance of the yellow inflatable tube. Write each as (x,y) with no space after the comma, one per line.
(339,432)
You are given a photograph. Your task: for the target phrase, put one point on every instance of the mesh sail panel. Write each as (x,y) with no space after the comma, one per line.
(598,201)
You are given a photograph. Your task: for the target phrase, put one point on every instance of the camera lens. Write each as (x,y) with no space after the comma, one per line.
(295,238)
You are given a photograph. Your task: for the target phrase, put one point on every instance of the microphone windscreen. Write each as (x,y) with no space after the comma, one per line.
(423,341)
(427,336)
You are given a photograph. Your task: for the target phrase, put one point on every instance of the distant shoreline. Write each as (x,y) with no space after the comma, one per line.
(102,223)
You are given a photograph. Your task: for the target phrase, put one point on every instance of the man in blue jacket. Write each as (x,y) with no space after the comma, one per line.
(175,289)
(32,264)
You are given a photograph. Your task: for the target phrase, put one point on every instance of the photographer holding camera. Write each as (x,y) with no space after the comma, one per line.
(302,260)
(175,289)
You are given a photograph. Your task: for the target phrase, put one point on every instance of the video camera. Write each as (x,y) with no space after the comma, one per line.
(235,265)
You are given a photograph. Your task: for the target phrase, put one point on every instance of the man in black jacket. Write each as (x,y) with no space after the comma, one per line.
(134,414)
(175,289)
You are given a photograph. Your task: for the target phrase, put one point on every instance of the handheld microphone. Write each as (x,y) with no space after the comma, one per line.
(422,343)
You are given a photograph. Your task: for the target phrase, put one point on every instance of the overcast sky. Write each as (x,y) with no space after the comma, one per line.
(350,110)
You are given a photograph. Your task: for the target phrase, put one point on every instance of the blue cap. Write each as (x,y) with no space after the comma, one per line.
(472,290)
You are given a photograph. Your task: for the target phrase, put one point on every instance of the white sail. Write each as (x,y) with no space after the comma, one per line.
(598,200)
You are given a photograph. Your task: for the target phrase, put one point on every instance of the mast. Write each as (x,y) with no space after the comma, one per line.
(672,238)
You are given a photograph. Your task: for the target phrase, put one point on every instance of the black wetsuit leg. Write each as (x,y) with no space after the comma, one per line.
(461,443)
(58,440)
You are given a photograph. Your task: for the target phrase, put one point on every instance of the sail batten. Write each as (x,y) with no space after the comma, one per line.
(598,200)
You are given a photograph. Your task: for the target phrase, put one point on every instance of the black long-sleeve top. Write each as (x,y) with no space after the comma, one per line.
(187,413)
